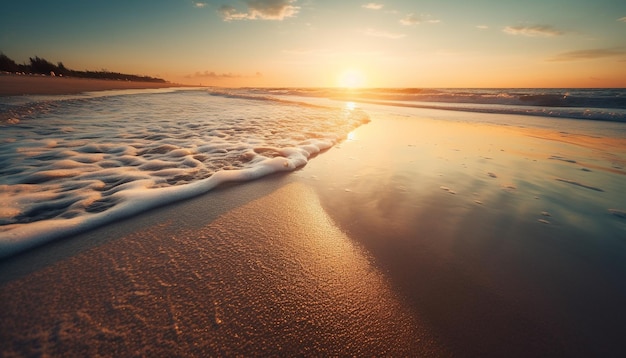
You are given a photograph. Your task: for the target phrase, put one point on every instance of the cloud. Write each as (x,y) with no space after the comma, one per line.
(372,6)
(199,4)
(409,20)
(412,19)
(384,34)
(218,76)
(533,31)
(622,19)
(260,9)
(590,54)
(229,13)
(482,27)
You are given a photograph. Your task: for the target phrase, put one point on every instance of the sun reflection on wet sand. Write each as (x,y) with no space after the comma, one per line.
(528,227)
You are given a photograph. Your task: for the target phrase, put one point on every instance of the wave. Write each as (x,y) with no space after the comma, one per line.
(600,114)
(70,165)
(595,98)
(591,104)
(257,97)
(132,198)
(15,108)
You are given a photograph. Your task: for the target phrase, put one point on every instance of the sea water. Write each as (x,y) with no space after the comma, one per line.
(71,163)
(593,104)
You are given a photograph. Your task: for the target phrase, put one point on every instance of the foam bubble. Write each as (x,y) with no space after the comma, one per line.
(81,164)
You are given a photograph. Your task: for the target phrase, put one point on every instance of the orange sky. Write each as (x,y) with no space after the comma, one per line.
(316,43)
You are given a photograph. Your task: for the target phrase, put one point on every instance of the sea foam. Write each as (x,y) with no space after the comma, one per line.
(72,164)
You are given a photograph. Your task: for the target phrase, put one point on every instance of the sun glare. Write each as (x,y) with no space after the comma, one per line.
(351,79)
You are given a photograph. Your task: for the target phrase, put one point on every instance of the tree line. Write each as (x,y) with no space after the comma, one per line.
(42,66)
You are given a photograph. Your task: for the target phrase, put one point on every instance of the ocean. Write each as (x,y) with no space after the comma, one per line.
(592,104)
(74,162)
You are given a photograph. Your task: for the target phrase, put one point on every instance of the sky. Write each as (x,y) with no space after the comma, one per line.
(327,43)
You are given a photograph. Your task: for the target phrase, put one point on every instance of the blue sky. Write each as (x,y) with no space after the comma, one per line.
(480,43)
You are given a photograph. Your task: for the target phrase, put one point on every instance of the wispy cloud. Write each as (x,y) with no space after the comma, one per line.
(590,54)
(260,9)
(533,31)
(482,27)
(412,19)
(218,76)
(622,19)
(199,4)
(373,6)
(409,20)
(384,34)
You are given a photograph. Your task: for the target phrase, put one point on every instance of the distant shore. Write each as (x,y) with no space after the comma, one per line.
(16,85)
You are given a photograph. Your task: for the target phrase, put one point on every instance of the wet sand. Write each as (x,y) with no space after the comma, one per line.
(474,228)
(415,237)
(14,85)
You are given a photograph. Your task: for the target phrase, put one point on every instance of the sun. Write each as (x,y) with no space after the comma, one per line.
(351,78)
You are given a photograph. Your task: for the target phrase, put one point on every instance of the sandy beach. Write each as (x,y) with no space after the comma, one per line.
(414,237)
(292,178)
(16,85)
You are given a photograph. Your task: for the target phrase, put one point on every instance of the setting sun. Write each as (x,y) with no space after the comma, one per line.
(313,178)
(351,78)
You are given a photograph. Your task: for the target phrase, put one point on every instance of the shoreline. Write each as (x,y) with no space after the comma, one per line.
(19,85)
(413,235)
(476,230)
(213,276)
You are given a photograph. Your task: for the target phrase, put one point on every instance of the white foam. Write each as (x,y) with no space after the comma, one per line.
(135,197)
(125,155)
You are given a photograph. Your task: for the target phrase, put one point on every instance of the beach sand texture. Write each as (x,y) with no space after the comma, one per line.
(267,276)
(14,85)
(415,237)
